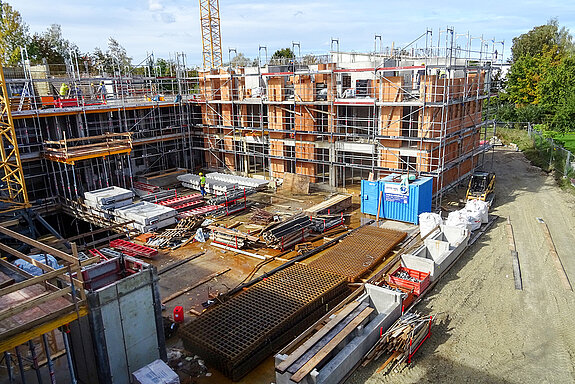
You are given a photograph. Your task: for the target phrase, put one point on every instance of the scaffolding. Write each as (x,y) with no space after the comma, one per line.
(339,118)
(334,118)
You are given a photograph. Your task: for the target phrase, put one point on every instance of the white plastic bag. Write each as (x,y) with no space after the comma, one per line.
(428,221)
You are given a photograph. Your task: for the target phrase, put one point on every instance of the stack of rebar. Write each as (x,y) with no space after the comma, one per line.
(231,237)
(359,252)
(237,335)
(288,233)
(321,224)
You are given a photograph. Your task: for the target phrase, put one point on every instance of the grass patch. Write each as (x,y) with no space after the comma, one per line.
(568,140)
(537,156)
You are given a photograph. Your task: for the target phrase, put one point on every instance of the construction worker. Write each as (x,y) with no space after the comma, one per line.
(102,90)
(64,90)
(202,184)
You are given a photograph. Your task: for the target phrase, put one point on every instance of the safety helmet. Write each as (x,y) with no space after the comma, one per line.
(201,174)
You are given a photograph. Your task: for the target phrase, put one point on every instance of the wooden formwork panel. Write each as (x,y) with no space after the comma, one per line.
(390,124)
(304,119)
(390,89)
(275,118)
(276,88)
(303,88)
(227,115)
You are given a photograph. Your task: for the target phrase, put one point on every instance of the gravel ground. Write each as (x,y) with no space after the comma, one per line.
(487,331)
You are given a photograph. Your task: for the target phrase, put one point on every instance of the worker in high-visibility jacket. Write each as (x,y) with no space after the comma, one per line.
(202,184)
(64,90)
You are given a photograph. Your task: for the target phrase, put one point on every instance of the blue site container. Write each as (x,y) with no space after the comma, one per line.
(405,204)
(369,198)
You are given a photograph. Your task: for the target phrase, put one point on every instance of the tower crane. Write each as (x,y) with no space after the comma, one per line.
(13,193)
(211,33)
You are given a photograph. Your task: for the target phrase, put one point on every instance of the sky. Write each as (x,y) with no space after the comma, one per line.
(168,26)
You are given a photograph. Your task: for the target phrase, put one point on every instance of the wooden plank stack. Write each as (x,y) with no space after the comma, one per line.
(336,204)
(401,341)
(262,216)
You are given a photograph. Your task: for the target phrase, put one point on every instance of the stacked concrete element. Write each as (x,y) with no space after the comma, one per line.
(438,252)
(243,182)
(331,353)
(108,198)
(147,217)
(213,186)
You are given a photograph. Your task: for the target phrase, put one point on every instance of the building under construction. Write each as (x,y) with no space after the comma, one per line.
(334,120)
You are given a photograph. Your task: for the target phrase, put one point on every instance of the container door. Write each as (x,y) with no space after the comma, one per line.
(369,197)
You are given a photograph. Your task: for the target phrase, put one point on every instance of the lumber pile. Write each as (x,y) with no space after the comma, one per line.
(336,204)
(401,341)
(231,237)
(262,216)
(288,232)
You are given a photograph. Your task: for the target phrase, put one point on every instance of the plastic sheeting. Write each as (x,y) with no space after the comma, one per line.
(49,260)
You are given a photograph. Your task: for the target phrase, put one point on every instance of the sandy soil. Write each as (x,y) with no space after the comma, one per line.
(487,331)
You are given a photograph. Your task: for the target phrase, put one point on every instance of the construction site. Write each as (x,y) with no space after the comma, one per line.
(318,219)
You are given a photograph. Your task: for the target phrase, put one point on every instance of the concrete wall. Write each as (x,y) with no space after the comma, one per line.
(124,328)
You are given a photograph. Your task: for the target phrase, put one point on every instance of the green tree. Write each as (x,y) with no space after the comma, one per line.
(51,45)
(13,34)
(282,55)
(118,53)
(542,38)
(240,60)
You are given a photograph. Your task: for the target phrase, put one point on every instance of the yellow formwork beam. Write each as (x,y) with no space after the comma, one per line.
(9,343)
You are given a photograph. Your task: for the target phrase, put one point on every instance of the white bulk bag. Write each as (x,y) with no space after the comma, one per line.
(428,221)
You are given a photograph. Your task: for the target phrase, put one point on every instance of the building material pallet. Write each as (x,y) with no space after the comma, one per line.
(132,249)
(235,336)
(359,252)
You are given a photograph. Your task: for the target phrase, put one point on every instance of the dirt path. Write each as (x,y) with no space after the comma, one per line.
(488,332)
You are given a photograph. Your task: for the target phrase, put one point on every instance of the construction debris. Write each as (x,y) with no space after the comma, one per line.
(401,341)
(262,216)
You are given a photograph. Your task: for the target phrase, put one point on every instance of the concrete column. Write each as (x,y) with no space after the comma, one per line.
(332,171)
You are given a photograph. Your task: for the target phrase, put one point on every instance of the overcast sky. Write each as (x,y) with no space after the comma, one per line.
(168,26)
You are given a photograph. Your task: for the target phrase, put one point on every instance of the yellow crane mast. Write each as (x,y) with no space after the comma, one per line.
(13,194)
(211,33)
